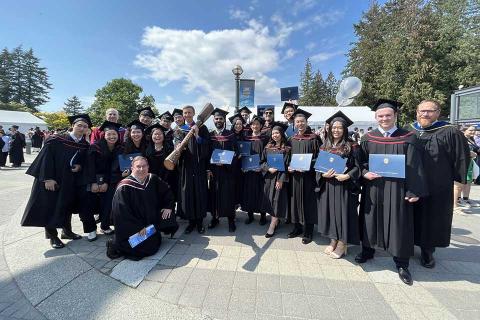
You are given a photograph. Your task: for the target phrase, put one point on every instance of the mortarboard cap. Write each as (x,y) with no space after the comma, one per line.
(166,115)
(108,125)
(15,127)
(219,112)
(177,112)
(279,125)
(386,103)
(289,105)
(244,109)
(259,119)
(80,117)
(157,125)
(135,124)
(147,111)
(236,115)
(339,116)
(301,112)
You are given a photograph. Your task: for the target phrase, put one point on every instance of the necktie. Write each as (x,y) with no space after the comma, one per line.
(386,134)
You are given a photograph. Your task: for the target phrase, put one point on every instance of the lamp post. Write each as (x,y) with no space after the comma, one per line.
(237,72)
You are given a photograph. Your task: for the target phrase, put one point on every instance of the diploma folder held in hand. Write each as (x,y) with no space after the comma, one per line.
(326,161)
(276,161)
(220,156)
(136,239)
(125,160)
(387,165)
(251,162)
(244,147)
(301,161)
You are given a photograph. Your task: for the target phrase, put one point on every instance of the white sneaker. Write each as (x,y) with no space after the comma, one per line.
(472,203)
(463,203)
(92,236)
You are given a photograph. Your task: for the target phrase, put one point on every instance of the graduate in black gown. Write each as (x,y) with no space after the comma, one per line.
(386,210)
(140,200)
(252,194)
(192,166)
(445,158)
(237,128)
(288,110)
(104,173)
(177,115)
(166,120)
(338,191)
(222,176)
(17,143)
(268,117)
(156,152)
(275,201)
(245,113)
(303,204)
(56,170)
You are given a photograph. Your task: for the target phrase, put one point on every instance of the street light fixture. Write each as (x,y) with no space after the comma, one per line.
(237,72)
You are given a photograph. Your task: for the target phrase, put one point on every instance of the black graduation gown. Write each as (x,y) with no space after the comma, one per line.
(16,148)
(267,130)
(192,166)
(238,174)
(275,202)
(222,183)
(50,208)
(135,206)
(303,204)
(445,158)
(386,218)
(338,201)
(252,193)
(155,162)
(37,140)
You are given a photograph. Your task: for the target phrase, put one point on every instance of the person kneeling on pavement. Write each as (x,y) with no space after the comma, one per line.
(141,200)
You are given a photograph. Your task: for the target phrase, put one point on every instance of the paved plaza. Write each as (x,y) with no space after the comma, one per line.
(220,275)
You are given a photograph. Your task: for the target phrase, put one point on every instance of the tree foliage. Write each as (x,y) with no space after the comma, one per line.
(123,95)
(22,79)
(73,106)
(411,50)
(54,120)
(316,91)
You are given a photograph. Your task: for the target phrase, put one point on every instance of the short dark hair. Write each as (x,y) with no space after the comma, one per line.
(435,102)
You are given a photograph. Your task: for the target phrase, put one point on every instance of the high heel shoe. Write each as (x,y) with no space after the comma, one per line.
(269,235)
(329,249)
(339,251)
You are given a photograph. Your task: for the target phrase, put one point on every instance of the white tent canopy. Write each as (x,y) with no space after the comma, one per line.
(24,120)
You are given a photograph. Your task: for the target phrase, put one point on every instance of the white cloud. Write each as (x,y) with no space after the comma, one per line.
(237,14)
(302,5)
(289,54)
(324,56)
(310,46)
(328,18)
(202,61)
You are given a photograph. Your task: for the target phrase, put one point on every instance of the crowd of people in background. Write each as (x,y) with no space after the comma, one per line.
(79,171)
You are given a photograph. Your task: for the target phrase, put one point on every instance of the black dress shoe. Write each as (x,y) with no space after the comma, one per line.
(112,253)
(56,243)
(68,234)
(189,228)
(306,239)
(232,227)
(200,229)
(213,223)
(362,257)
(427,260)
(295,233)
(263,220)
(269,235)
(405,276)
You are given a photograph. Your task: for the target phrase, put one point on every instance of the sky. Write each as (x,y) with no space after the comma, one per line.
(181,52)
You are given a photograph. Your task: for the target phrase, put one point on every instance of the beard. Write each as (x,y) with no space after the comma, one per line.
(424,122)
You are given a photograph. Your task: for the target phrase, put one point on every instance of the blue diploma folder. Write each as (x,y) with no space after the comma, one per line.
(327,161)
(387,165)
(220,156)
(136,239)
(290,131)
(125,160)
(244,148)
(251,162)
(289,93)
(301,161)
(276,161)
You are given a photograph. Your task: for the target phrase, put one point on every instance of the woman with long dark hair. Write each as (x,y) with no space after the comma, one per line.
(237,128)
(338,196)
(135,140)
(275,190)
(157,151)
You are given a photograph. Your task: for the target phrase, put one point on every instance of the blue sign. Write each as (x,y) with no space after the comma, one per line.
(290,93)
(247,93)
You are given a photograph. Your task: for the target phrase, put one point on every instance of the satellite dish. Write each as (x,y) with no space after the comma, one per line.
(349,88)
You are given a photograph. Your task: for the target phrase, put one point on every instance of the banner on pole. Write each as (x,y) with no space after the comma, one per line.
(247,93)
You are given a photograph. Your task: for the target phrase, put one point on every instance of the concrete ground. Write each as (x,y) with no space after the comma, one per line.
(227,276)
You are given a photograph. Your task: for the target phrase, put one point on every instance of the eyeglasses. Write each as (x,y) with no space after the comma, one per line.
(427,111)
(268,112)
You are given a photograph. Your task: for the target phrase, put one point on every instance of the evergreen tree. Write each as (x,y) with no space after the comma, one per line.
(331,88)
(318,90)
(36,85)
(73,106)
(6,75)
(17,81)
(306,85)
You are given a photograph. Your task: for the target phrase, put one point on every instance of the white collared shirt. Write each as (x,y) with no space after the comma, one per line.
(390,132)
(74,137)
(218,132)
